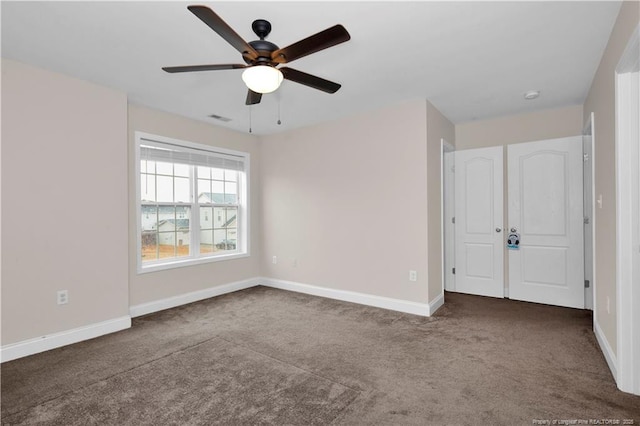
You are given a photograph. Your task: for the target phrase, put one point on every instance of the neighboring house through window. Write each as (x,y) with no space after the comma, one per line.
(192,202)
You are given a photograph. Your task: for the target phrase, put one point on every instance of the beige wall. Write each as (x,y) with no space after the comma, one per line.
(348,201)
(64,215)
(438,128)
(601,101)
(152,286)
(547,124)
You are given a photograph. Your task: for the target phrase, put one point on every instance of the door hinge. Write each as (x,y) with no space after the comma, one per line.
(453,271)
(585,157)
(586,284)
(453,220)
(586,220)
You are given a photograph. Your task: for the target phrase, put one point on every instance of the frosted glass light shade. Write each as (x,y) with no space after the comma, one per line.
(262,78)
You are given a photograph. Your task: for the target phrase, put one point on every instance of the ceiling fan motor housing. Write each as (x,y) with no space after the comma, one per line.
(264,49)
(262,28)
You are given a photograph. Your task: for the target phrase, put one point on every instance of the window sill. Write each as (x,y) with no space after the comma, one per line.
(189,262)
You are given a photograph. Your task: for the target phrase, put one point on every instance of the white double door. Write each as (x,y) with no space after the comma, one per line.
(544,207)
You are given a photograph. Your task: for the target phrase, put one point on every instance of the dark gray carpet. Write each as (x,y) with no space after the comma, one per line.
(270,357)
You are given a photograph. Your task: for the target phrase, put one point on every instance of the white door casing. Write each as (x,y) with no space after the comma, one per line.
(479,222)
(448,179)
(589,212)
(635,243)
(627,93)
(546,209)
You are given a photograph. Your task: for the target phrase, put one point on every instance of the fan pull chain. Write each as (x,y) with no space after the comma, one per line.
(279,122)
(250,108)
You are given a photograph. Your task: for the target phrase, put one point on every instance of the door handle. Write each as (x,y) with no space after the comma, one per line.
(498,229)
(514,230)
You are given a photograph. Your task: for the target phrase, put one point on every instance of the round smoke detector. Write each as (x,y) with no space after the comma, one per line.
(532,94)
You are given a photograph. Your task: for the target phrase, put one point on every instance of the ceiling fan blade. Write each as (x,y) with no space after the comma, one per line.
(310,80)
(322,40)
(216,23)
(253,97)
(190,68)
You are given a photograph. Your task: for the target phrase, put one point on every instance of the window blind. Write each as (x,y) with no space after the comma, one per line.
(165,152)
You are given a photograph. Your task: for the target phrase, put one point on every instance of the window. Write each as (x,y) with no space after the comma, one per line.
(192,203)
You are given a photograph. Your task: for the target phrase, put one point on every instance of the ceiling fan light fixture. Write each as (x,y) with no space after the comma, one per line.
(262,78)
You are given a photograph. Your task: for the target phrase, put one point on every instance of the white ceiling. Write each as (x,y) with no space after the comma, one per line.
(472,60)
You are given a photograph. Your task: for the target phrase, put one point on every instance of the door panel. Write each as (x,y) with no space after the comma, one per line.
(479,260)
(542,183)
(545,208)
(545,265)
(478,236)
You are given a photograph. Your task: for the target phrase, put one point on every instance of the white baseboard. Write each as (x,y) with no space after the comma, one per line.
(436,303)
(194,296)
(406,306)
(609,356)
(44,343)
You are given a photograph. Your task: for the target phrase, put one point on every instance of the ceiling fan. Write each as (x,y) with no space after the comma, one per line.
(262,57)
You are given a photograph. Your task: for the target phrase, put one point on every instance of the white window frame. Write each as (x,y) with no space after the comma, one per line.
(242,242)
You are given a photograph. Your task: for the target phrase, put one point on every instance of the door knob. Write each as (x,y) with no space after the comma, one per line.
(498,229)
(514,230)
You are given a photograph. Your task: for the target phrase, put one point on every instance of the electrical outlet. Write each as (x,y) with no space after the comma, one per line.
(63,297)
(274,260)
(413,275)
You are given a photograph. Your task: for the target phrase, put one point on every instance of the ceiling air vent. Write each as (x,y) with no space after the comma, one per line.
(219,117)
